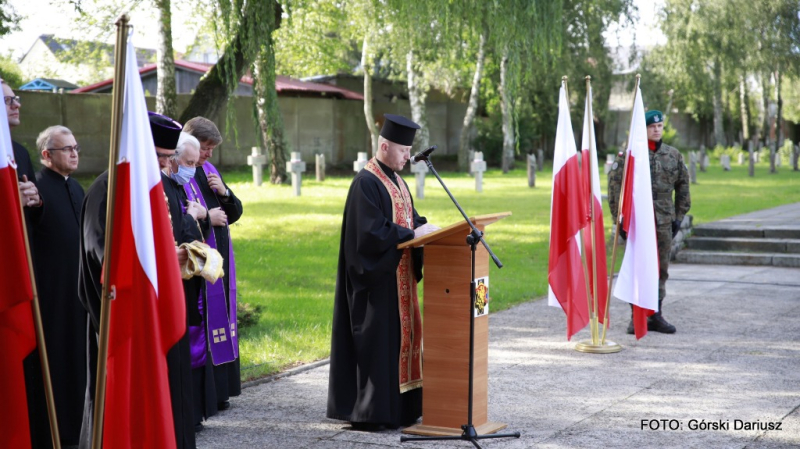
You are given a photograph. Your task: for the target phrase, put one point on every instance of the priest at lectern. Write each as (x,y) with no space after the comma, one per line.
(376,346)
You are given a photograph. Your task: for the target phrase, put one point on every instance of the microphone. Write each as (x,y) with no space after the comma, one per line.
(423,155)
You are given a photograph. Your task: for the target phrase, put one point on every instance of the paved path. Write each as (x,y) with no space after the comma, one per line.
(734,359)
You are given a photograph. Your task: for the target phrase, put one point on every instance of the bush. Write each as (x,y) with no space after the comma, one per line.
(248,314)
(669,134)
(719,150)
(785,151)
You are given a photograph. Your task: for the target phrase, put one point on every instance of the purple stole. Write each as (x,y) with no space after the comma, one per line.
(218,330)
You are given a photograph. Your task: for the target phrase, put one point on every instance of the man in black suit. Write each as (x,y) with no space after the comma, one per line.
(56,249)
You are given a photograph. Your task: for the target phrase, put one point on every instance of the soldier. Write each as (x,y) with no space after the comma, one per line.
(668,173)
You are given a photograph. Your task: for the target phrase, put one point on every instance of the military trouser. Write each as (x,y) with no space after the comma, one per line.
(664,242)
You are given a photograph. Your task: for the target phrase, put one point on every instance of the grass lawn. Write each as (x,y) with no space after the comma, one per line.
(287,247)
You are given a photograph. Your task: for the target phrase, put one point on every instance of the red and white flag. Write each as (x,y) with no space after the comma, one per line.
(595,244)
(148,315)
(568,214)
(637,282)
(17,334)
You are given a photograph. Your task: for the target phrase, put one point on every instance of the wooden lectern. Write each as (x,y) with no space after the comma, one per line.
(445,364)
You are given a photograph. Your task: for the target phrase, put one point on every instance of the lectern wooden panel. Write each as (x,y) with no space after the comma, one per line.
(446,322)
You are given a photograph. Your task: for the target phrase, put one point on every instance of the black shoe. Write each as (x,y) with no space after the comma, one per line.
(224,405)
(367,426)
(630,330)
(657,323)
(199,427)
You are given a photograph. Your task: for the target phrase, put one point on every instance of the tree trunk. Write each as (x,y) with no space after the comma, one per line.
(417,94)
(765,107)
(472,109)
(772,168)
(743,110)
(166,96)
(508,116)
(719,130)
(366,64)
(270,121)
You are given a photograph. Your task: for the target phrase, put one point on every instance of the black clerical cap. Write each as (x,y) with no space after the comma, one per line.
(165,131)
(399,129)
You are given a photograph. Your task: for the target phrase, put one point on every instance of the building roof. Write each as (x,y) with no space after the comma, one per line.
(283,84)
(48,84)
(61,47)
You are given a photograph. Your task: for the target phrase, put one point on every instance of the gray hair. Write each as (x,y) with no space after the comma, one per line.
(185,140)
(45,138)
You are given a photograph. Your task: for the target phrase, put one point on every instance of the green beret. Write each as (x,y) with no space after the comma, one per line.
(653,116)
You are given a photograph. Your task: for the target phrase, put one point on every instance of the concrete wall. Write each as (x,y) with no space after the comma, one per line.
(329,126)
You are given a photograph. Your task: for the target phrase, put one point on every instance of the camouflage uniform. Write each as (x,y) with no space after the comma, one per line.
(668,173)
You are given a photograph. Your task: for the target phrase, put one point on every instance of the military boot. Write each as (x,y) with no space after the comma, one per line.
(657,323)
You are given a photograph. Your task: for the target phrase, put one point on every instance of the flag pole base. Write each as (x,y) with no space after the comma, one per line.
(588,346)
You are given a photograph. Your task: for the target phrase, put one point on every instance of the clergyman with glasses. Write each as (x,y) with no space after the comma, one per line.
(56,249)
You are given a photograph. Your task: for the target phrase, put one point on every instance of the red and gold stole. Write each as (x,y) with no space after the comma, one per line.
(408,303)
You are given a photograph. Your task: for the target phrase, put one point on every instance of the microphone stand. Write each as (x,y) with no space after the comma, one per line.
(469,432)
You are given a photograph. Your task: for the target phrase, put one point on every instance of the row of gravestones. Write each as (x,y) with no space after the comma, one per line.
(296,167)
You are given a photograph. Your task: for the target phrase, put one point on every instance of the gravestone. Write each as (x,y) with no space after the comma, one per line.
(751,170)
(795,157)
(540,159)
(702,158)
(478,166)
(725,161)
(693,167)
(777,159)
(531,170)
(320,167)
(296,167)
(420,169)
(741,158)
(257,160)
(609,163)
(361,162)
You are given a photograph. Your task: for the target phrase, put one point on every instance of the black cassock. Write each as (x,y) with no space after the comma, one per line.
(227,378)
(185,229)
(55,252)
(93,221)
(364,385)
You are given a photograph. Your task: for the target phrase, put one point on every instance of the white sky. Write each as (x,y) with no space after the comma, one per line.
(58,17)
(42,17)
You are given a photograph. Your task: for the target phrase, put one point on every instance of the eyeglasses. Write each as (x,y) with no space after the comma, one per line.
(67,148)
(9,100)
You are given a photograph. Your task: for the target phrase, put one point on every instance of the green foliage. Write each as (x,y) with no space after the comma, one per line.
(669,134)
(785,151)
(317,39)
(247,315)
(9,19)
(10,72)
(719,150)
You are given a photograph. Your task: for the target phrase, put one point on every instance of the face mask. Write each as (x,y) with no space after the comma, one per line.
(184,174)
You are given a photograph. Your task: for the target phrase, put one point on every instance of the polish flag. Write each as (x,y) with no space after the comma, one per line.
(148,315)
(568,214)
(17,334)
(591,179)
(637,281)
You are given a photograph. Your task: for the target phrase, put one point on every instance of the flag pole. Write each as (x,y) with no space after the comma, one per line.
(592,322)
(595,346)
(618,224)
(109,290)
(37,321)
(596,316)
